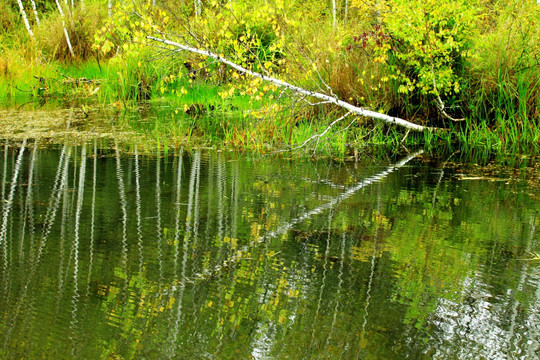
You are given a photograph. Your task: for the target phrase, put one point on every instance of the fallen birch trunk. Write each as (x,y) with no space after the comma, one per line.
(283,84)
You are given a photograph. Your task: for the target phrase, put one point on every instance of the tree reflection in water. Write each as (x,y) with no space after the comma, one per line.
(202,255)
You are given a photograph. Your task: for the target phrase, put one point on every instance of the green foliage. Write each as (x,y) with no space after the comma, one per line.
(423,48)
(479,57)
(427,44)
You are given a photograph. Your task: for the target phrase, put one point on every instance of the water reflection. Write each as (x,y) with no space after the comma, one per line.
(106,255)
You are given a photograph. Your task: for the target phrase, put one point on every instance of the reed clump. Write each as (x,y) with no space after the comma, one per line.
(81,24)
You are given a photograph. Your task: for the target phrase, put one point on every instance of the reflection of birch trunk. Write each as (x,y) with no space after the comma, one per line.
(25,18)
(59,184)
(209,203)
(5,247)
(28,215)
(191,195)
(158,214)
(92,220)
(371,276)
(221,180)
(339,288)
(177,208)
(65,29)
(138,209)
(323,283)
(123,205)
(4,174)
(221,177)
(78,210)
(54,201)
(519,289)
(234,198)
(63,224)
(8,204)
(176,247)
(318,210)
(56,193)
(196,219)
(188,236)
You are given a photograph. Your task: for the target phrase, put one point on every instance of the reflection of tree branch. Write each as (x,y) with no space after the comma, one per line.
(205,274)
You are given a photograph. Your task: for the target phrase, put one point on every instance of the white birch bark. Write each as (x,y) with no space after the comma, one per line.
(109,6)
(25,18)
(334,10)
(198,7)
(34,9)
(65,29)
(283,84)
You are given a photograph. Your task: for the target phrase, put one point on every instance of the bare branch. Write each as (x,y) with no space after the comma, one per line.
(319,136)
(440,104)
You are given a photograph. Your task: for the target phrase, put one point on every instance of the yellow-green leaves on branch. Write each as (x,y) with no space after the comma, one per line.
(298,90)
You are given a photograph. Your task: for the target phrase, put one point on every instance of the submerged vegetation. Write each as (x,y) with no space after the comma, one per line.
(470,68)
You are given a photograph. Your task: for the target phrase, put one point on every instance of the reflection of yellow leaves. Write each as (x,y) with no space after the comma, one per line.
(232,241)
(170,303)
(255,227)
(293,293)
(363,343)
(365,252)
(282,316)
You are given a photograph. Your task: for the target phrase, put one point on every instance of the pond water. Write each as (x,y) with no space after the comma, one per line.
(204,255)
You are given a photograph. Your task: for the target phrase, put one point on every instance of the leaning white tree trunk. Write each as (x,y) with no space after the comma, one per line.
(34,8)
(198,7)
(334,10)
(283,84)
(65,29)
(25,18)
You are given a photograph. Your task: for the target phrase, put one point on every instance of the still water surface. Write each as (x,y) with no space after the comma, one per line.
(204,256)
